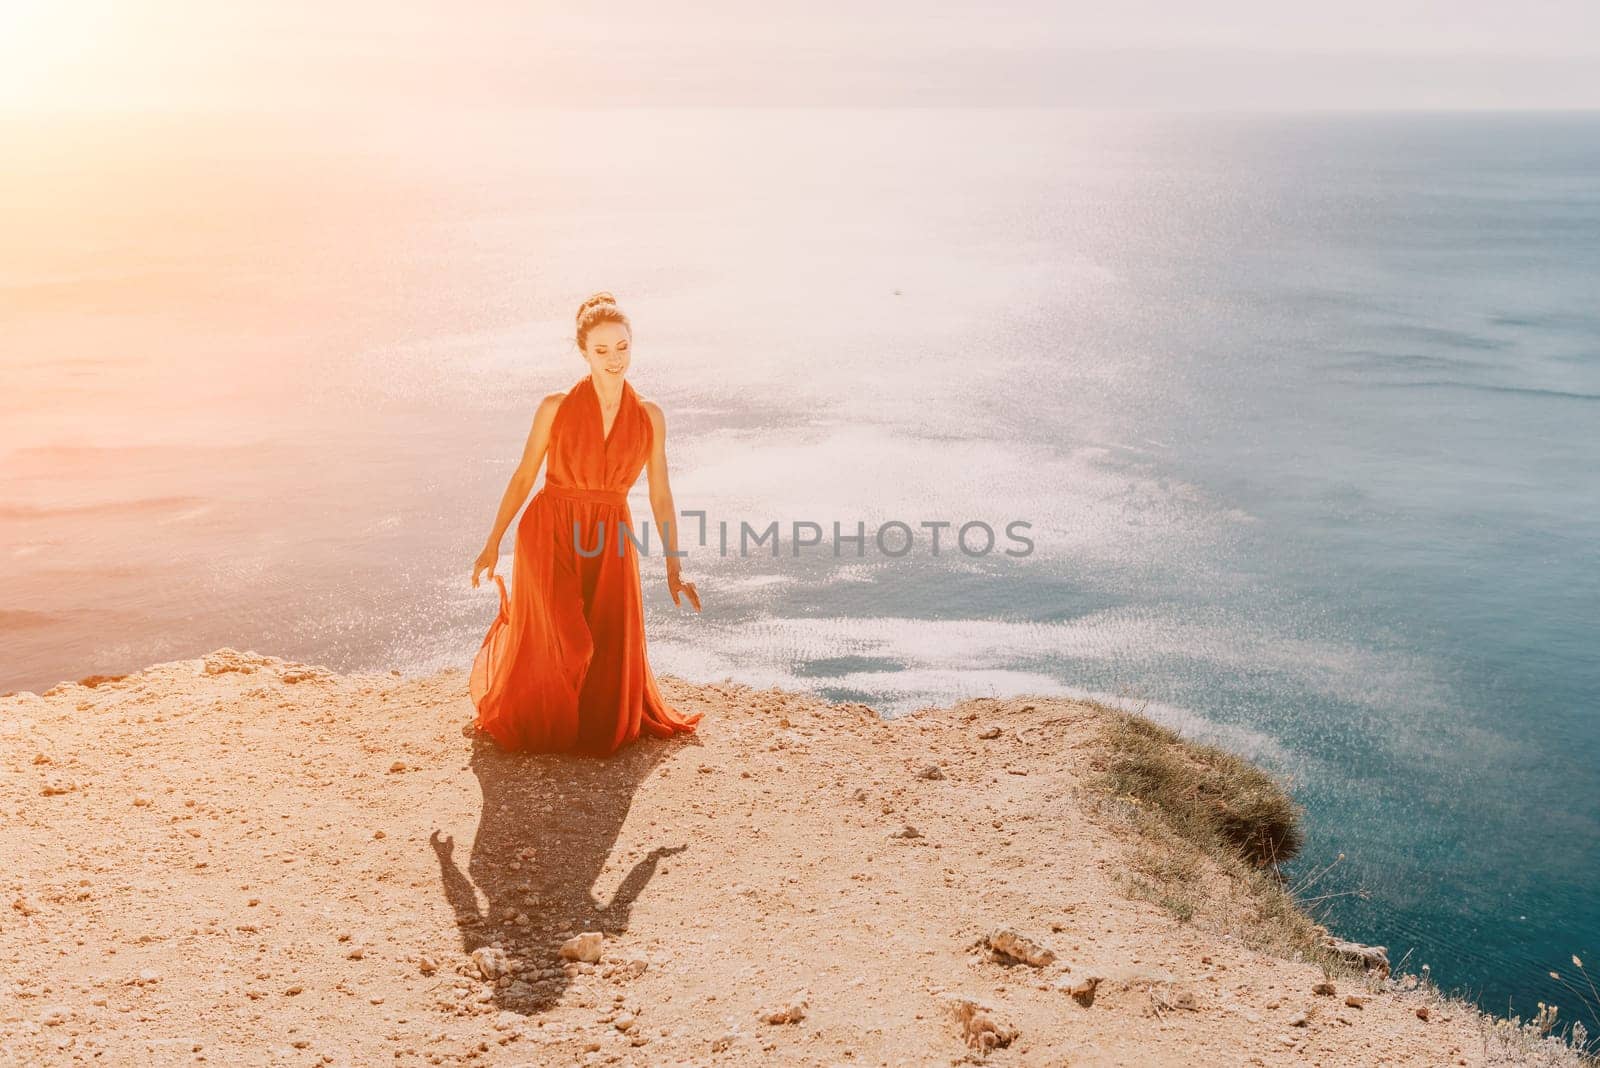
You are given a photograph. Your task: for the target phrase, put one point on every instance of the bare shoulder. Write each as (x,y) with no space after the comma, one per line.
(544,418)
(653,410)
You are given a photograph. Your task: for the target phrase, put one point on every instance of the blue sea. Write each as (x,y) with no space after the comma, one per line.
(1302,413)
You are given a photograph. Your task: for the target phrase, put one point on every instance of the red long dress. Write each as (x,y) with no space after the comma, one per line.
(563,667)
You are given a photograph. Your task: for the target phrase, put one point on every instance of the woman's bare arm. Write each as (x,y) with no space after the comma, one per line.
(662,506)
(522,479)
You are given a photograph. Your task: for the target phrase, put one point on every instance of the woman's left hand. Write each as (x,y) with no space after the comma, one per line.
(675,584)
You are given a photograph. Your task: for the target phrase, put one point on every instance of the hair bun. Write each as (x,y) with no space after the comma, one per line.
(600,308)
(597,299)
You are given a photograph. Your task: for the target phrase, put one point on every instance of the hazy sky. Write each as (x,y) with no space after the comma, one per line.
(293,55)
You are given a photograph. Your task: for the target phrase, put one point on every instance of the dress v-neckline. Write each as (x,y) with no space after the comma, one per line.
(622,402)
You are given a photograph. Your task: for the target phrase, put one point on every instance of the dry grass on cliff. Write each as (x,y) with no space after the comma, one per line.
(1213,829)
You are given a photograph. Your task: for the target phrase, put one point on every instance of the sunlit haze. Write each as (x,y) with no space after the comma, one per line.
(171,55)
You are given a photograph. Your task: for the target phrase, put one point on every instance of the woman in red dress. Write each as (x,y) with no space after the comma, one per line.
(563,666)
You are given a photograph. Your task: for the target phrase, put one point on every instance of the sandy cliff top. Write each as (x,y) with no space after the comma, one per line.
(241,860)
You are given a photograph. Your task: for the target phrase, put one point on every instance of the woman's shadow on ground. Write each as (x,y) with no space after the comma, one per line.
(547,828)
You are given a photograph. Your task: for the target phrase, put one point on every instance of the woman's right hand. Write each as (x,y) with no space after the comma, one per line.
(485,561)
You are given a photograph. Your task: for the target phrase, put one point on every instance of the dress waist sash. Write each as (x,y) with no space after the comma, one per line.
(578,493)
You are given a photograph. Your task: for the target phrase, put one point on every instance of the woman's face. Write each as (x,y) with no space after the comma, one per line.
(608,348)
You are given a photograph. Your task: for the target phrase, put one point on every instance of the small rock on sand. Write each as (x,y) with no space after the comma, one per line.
(584,948)
(1372,958)
(1081,986)
(1010,944)
(491,962)
(627,969)
(792,1011)
(976,1023)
